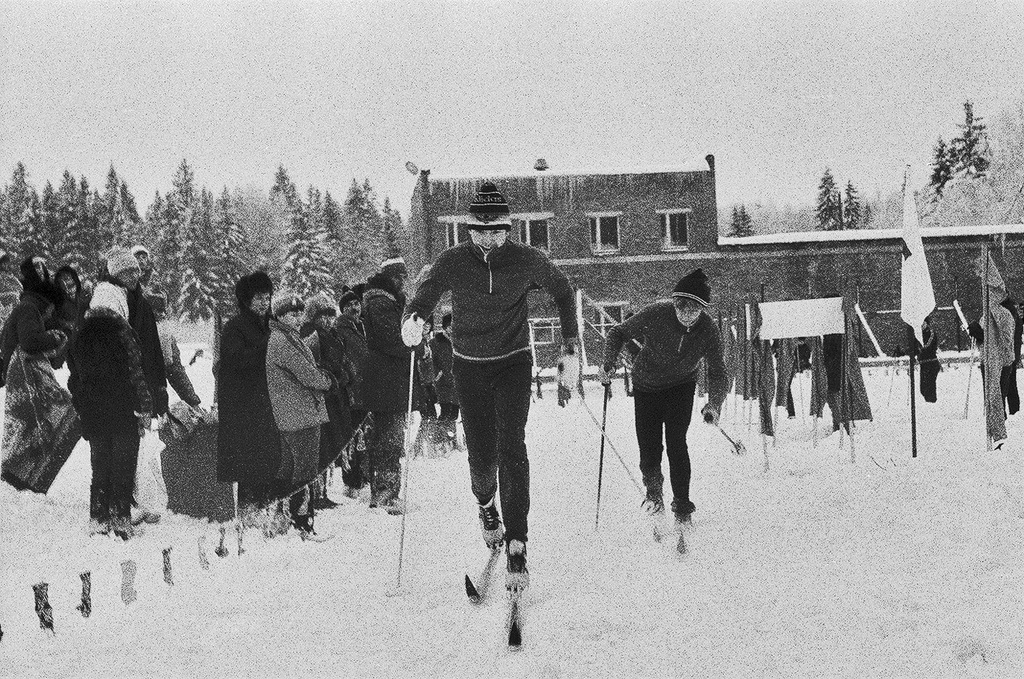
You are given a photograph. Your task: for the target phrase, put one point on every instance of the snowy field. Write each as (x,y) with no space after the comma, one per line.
(883,567)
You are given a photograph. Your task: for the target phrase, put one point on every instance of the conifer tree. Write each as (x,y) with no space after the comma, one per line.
(970,150)
(734,222)
(746,223)
(391,222)
(942,167)
(852,212)
(828,211)
(50,230)
(198,277)
(307,269)
(18,215)
(69,248)
(180,207)
(231,251)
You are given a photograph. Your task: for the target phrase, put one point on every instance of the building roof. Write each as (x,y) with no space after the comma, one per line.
(695,165)
(869,234)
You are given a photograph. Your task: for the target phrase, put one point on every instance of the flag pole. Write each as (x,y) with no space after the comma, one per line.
(913,396)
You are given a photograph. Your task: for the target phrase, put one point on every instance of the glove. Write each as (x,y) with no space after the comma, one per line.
(710,414)
(605,374)
(568,373)
(412,331)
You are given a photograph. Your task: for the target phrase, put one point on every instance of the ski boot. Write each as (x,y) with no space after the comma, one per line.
(683,512)
(654,507)
(490,524)
(517,577)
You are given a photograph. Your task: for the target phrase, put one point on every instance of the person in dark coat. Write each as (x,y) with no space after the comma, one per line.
(386,382)
(124,271)
(248,447)
(110,394)
(426,396)
(329,353)
(41,427)
(444,385)
(355,470)
(1009,377)
(928,356)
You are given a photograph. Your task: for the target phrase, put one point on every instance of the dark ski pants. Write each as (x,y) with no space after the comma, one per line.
(114,458)
(495,402)
(665,412)
(358,472)
(385,447)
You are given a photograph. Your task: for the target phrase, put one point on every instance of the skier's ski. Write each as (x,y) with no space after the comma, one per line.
(473,591)
(515,622)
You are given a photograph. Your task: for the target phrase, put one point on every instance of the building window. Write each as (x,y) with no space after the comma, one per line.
(455,233)
(612,316)
(604,232)
(544,330)
(535,232)
(674,227)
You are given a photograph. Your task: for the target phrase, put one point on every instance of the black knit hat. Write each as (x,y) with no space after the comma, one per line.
(347,298)
(694,285)
(489,209)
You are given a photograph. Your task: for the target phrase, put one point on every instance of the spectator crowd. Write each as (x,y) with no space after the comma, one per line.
(302,387)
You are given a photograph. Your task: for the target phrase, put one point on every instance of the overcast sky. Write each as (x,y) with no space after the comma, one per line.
(776,91)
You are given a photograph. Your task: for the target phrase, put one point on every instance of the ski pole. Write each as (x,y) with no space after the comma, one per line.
(737,446)
(600,463)
(405,481)
(611,445)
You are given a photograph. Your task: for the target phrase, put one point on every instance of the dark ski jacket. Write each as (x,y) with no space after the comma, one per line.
(143,321)
(248,445)
(386,373)
(489,297)
(107,384)
(353,336)
(670,353)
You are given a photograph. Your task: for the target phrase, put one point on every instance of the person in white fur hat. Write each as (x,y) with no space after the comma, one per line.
(124,272)
(109,391)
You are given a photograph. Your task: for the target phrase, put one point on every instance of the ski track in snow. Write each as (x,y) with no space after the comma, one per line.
(884,567)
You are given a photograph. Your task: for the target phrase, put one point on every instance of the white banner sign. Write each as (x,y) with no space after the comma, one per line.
(802,318)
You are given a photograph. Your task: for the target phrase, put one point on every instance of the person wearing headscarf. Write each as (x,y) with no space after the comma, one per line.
(41,426)
(111,396)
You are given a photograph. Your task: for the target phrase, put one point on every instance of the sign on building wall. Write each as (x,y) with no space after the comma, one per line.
(802,318)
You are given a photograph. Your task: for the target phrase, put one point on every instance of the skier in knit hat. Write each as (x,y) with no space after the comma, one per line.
(673,337)
(489,277)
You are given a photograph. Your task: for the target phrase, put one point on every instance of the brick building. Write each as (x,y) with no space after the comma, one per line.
(626,237)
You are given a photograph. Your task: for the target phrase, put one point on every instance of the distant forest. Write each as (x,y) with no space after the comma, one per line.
(976,177)
(202,243)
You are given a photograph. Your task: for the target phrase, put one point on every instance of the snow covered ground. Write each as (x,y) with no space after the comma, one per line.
(883,567)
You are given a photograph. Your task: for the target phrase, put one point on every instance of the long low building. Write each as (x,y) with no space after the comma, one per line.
(626,236)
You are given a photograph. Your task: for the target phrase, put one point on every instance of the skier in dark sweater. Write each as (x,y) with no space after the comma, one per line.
(489,278)
(674,336)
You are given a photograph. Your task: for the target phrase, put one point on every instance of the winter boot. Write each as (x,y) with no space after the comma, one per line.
(517,577)
(683,510)
(490,523)
(654,507)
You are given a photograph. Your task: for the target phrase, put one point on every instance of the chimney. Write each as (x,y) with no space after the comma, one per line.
(711,162)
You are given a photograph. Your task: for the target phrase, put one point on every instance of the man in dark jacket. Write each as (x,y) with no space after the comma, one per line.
(248,446)
(489,278)
(444,384)
(355,471)
(386,382)
(124,271)
(674,336)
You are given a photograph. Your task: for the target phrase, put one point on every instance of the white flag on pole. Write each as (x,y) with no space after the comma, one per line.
(917,297)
